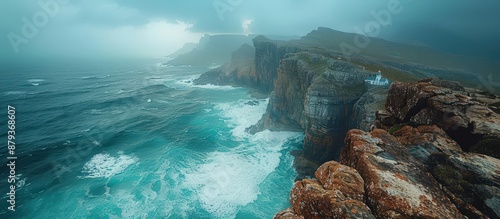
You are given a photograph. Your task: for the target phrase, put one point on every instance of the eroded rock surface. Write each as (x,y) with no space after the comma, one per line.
(415,164)
(337,193)
(398,185)
(316,94)
(466,115)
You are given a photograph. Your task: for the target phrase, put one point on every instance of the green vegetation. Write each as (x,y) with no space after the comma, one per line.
(497,104)
(389,73)
(396,127)
(450,177)
(495,107)
(316,65)
(489,146)
(380,105)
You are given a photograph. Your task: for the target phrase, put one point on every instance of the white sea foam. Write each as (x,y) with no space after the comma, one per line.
(105,165)
(188,82)
(158,80)
(95,77)
(36,82)
(215,87)
(38,92)
(120,91)
(101,112)
(240,115)
(164,65)
(20,182)
(214,66)
(14,93)
(229,179)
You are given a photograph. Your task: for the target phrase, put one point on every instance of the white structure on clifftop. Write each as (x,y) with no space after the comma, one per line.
(377,80)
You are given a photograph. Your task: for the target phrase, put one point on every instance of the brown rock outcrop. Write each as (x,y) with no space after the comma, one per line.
(338,193)
(416,163)
(333,175)
(434,126)
(287,214)
(421,172)
(398,185)
(466,115)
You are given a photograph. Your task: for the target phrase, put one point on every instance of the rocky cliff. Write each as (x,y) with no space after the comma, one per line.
(268,55)
(316,94)
(434,154)
(256,70)
(240,71)
(210,50)
(312,91)
(431,153)
(364,110)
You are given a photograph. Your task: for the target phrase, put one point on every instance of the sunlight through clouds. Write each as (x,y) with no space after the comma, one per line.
(76,25)
(156,38)
(246,26)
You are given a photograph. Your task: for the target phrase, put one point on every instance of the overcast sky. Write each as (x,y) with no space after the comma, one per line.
(101,28)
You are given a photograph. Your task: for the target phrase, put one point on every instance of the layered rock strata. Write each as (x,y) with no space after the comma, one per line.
(316,94)
(412,165)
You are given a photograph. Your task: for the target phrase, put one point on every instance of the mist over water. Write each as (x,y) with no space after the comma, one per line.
(111,28)
(138,140)
(105,131)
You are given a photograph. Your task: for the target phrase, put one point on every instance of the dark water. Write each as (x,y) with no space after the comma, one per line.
(134,139)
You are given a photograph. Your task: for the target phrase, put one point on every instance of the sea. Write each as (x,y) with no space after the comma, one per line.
(136,139)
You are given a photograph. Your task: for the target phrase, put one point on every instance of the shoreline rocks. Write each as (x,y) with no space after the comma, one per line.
(411,166)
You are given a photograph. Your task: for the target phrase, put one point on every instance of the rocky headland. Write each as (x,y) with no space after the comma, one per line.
(210,50)
(426,149)
(433,153)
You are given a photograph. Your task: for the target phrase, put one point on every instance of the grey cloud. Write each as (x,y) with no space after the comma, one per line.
(465,26)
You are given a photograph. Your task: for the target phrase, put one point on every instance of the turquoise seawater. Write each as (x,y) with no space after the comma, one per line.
(136,139)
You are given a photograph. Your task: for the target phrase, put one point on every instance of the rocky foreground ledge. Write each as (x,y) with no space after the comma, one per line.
(434,153)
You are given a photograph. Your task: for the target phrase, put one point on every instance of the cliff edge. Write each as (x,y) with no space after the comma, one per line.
(434,153)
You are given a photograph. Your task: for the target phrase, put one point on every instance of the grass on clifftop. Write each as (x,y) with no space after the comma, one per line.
(315,65)
(489,146)
(389,73)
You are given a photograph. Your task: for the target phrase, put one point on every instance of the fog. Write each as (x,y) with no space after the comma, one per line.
(129,28)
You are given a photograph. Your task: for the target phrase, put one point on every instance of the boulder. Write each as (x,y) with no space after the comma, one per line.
(337,192)
(397,184)
(466,115)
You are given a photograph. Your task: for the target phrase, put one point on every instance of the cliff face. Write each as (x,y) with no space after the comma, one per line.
(211,50)
(312,91)
(316,94)
(240,71)
(268,55)
(432,153)
(364,110)
(413,165)
(256,70)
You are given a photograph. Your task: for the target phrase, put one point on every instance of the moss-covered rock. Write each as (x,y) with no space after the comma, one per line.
(451,178)
(396,127)
(497,104)
(495,107)
(489,146)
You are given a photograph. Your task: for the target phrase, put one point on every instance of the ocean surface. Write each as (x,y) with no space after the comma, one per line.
(136,139)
